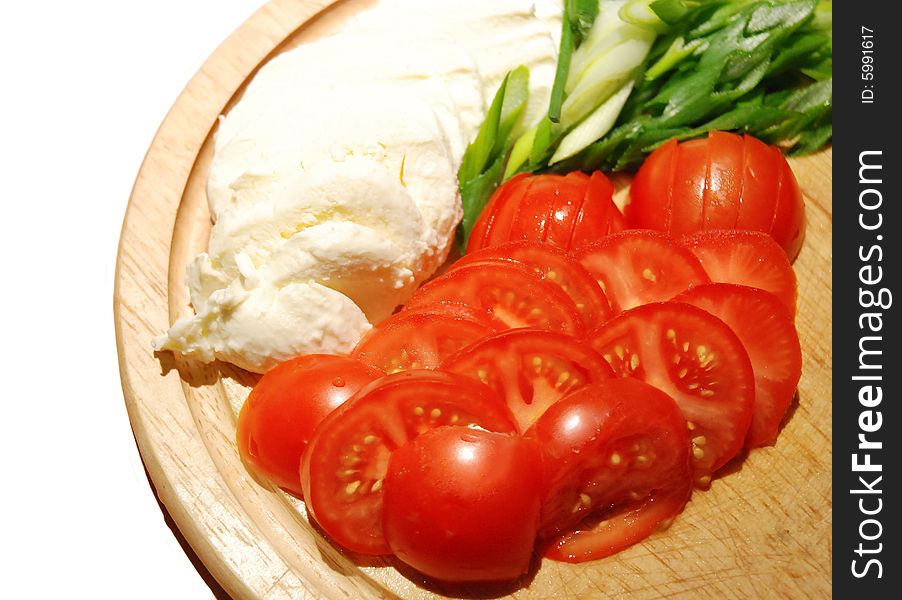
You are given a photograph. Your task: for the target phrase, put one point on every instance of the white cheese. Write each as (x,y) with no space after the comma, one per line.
(498,34)
(259,327)
(333,184)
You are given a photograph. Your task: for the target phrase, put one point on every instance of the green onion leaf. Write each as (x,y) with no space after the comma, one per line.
(560,75)
(483,162)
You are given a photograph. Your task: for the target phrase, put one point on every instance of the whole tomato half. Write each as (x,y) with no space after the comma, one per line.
(462,504)
(566,211)
(724,181)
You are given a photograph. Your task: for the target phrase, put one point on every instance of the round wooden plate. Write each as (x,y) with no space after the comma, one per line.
(761,531)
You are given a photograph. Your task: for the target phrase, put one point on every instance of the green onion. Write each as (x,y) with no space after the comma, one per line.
(482,164)
(633,74)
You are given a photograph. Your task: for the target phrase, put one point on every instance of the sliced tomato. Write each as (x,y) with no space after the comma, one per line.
(462,504)
(610,444)
(748,258)
(757,198)
(723,184)
(513,293)
(568,209)
(598,216)
(532,211)
(651,190)
(556,266)
(687,204)
(723,181)
(343,471)
(637,266)
(562,210)
(531,369)
(278,418)
(499,213)
(610,532)
(698,361)
(423,338)
(788,225)
(766,330)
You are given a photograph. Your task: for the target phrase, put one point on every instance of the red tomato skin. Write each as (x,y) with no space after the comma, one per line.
(745,257)
(724,180)
(689,186)
(533,210)
(567,211)
(281,413)
(651,190)
(561,210)
(760,183)
(612,443)
(698,361)
(498,214)
(788,227)
(598,216)
(703,184)
(766,329)
(463,504)
(343,471)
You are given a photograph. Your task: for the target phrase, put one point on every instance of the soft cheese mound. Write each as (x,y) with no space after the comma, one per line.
(333,185)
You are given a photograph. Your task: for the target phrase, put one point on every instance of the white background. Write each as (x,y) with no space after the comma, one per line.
(84,87)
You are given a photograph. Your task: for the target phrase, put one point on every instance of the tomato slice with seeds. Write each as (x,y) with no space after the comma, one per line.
(698,361)
(281,413)
(531,369)
(610,532)
(555,265)
(423,338)
(513,293)
(346,462)
(766,330)
(639,266)
(607,446)
(748,258)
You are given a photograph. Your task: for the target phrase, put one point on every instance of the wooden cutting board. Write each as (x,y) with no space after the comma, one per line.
(763,530)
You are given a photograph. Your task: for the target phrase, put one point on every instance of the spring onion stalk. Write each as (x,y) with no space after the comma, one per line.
(595,79)
(483,161)
(757,66)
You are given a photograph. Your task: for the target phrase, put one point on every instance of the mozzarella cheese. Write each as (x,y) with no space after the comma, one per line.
(333,185)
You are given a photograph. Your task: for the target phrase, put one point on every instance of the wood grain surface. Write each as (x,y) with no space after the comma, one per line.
(763,530)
